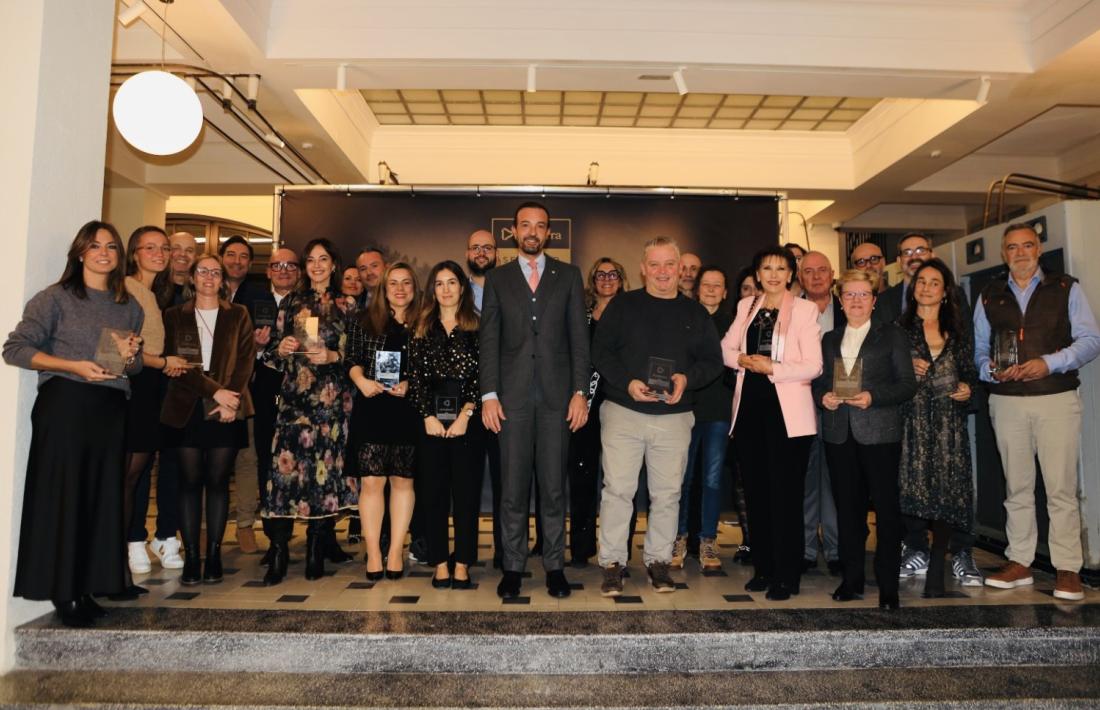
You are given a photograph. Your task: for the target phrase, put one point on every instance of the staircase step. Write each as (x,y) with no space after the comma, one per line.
(566,643)
(986,687)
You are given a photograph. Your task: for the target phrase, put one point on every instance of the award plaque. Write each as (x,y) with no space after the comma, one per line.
(387,368)
(189,347)
(943,377)
(1006,351)
(659,379)
(107,355)
(847,377)
(264,314)
(446,408)
(307,331)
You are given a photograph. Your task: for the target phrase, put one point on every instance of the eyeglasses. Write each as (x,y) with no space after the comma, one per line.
(204,271)
(482,249)
(915,251)
(153,248)
(283,266)
(855,295)
(608,275)
(864,261)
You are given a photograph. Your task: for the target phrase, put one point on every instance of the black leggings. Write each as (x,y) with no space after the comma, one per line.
(207,469)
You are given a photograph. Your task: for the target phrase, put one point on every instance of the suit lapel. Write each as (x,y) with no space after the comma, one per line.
(547,283)
(869,341)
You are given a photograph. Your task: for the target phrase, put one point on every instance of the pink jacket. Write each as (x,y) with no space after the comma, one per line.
(796,354)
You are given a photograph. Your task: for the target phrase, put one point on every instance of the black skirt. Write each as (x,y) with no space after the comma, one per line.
(71,539)
(202,433)
(143,412)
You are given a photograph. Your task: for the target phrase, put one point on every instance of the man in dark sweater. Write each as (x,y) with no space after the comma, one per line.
(645,418)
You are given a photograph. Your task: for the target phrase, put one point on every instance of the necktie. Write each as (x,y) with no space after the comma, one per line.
(533,279)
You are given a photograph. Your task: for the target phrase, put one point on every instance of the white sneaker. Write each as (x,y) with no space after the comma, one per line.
(168,552)
(139,558)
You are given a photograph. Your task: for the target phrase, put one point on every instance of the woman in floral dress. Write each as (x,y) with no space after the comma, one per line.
(307,480)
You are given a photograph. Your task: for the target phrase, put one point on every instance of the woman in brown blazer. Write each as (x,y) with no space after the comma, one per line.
(205,407)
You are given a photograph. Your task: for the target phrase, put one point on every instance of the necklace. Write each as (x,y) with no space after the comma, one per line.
(209,330)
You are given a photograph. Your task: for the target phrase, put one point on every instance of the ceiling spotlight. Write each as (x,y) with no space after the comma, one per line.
(227,92)
(274,140)
(342,77)
(984,85)
(385,175)
(678,77)
(593,173)
(253,90)
(129,15)
(530,78)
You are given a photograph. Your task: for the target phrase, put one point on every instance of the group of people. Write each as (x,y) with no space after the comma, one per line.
(372,396)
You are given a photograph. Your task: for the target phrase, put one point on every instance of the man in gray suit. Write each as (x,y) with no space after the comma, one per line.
(534,374)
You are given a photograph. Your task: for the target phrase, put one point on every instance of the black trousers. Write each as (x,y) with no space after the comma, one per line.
(773,468)
(862,472)
(916,536)
(584,487)
(451,472)
(534,444)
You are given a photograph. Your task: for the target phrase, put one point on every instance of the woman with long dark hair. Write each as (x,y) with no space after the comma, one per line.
(148,284)
(443,387)
(384,424)
(308,481)
(80,334)
(934,478)
(205,408)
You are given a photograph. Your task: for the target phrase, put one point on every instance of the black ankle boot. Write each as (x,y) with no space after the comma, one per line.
(276,570)
(333,553)
(212,572)
(192,566)
(90,607)
(72,615)
(315,550)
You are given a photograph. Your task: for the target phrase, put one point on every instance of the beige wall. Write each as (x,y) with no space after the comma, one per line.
(131,207)
(256,210)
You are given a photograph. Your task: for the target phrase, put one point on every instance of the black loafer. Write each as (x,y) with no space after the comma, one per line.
(90,607)
(557,585)
(72,615)
(889,603)
(757,584)
(845,594)
(778,592)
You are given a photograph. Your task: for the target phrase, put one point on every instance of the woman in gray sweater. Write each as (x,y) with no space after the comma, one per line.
(80,335)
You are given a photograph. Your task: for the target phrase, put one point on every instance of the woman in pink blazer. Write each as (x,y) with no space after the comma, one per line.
(774,346)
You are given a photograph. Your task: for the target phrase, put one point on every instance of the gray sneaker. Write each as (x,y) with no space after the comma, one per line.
(914,563)
(962,564)
(612,580)
(660,578)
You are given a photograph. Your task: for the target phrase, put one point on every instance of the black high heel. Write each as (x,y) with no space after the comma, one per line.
(392,574)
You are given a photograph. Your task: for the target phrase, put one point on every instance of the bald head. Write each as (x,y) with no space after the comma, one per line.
(184,250)
(481,252)
(868,257)
(815,273)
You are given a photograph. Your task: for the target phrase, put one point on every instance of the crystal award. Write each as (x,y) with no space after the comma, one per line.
(107,354)
(847,377)
(387,368)
(1006,351)
(659,379)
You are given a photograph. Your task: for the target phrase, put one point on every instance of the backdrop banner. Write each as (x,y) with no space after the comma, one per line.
(425,227)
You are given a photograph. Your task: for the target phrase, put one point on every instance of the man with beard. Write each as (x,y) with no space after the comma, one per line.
(689,272)
(534,374)
(371,264)
(913,250)
(868,257)
(481,258)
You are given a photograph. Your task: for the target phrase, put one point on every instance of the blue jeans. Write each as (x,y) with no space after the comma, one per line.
(709,438)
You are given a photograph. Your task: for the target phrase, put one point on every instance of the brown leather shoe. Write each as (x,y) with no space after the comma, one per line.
(247,541)
(1012,575)
(1068,586)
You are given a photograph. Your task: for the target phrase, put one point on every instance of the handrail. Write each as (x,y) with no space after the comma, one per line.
(1033,183)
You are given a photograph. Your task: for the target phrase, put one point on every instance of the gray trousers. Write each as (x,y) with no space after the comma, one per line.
(534,441)
(629,438)
(818,507)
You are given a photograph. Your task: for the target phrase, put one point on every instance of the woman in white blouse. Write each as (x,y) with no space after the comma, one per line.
(862,433)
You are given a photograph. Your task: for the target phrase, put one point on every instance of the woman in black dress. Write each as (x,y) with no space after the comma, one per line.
(384,424)
(205,408)
(71,542)
(934,478)
(443,386)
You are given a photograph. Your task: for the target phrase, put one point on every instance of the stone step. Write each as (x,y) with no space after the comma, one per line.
(566,643)
(984,687)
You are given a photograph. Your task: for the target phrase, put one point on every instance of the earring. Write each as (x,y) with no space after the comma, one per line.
(81,260)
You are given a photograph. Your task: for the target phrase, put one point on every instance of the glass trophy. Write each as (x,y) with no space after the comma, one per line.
(107,354)
(307,331)
(659,379)
(446,408)
(847,377)
(1006,351)
(264,314)
(943,377)
(189,347)
(387,368)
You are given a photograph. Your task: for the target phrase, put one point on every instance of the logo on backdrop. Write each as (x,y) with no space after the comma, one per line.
(558,245)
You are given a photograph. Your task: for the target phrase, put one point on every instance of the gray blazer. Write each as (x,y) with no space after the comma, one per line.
(534,346)
(887,376)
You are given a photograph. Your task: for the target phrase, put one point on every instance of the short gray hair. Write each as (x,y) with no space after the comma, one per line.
(662,242)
